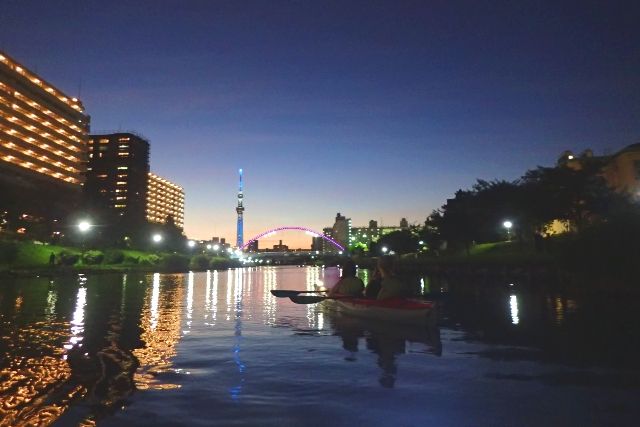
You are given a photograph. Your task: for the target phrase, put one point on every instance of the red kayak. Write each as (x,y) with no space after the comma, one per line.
(403,310)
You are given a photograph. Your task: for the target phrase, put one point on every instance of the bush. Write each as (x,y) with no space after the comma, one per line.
(92,257)
(66,258)
(175,262)
(611,248)
(199,263)
(114,257)
(131,260)
(8,252)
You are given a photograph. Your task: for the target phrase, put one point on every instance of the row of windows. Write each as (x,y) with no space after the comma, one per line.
(72,102)
(39,130)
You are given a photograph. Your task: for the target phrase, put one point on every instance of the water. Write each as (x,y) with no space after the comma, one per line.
(217,348)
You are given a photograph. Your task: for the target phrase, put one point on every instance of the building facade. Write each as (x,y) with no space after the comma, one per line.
(117,174)
(621,171)
(43,137)
(164,200)
(342,230)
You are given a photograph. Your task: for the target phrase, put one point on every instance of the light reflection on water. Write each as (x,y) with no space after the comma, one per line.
(179,345)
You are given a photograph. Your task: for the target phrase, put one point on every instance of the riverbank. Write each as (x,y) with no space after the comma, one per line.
(28,259)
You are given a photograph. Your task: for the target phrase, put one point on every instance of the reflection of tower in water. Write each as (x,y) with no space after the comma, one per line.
(238,287)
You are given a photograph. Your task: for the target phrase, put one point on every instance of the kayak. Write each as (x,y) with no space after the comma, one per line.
(402,310)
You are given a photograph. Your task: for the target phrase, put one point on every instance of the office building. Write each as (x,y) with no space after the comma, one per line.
(43,135)
(165,200)
(117,174)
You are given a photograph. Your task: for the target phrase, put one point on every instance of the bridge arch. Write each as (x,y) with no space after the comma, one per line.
(296,228)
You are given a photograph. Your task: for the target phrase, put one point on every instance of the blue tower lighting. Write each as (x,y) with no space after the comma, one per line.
(240,211)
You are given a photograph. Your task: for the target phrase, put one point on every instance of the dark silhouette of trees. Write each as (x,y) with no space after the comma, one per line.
(578,196)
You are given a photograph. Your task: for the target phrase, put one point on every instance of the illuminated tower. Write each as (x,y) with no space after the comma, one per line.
(240,210)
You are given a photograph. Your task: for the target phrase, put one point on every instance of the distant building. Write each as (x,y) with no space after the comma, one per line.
(342,230)
(317,243)
(280,247)
(365,236)
(43,136)
(404,224)
(253,246)
(327,246)
(164,200)
(117,174)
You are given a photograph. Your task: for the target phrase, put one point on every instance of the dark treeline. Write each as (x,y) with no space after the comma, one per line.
(600,226)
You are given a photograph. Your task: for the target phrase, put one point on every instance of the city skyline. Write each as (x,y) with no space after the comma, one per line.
(381,117)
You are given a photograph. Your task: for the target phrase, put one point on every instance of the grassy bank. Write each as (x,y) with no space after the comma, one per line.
(24,258)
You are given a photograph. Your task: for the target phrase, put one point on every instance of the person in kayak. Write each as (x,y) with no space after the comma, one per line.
(373,287)
(390,286)
(348,284)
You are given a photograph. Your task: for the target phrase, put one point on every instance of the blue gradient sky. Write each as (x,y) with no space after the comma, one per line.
(378,110)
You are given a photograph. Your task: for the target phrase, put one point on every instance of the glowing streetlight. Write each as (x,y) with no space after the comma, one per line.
(157,238)
(209,247)
(191,243)
(385,249)
(216,247)
(508,224)
(84,226)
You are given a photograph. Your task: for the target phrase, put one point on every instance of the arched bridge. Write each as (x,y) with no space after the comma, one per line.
(295,228)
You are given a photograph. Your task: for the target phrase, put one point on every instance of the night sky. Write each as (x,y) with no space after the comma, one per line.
(377,110)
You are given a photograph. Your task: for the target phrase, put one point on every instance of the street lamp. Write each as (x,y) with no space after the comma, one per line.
(508,224)
(191,243)
(157,238)
(216,247)
(84,226)
(385,249)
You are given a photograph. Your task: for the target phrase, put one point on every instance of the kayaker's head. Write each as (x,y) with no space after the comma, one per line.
(386,265)
(349,268)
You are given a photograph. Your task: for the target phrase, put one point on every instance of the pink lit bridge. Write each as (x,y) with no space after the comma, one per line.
(294,228)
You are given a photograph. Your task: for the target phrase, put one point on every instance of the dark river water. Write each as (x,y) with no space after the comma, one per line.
(217,348)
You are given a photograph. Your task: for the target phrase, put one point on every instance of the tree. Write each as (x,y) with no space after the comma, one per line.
(400,242)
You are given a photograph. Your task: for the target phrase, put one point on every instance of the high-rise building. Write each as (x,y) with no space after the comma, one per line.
(342,230)
(164,199)
(117,174)
(43,134)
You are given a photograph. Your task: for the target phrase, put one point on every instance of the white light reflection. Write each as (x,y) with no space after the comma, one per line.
(314,315)
(77,322)
(155,297)
(269,301)
(50,310)
(207,295)
(513,305)
(229,290)
(214,297)
(189,302)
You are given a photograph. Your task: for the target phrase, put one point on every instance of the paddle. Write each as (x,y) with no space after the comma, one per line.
(307,299)
(310,299)
(287,294)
